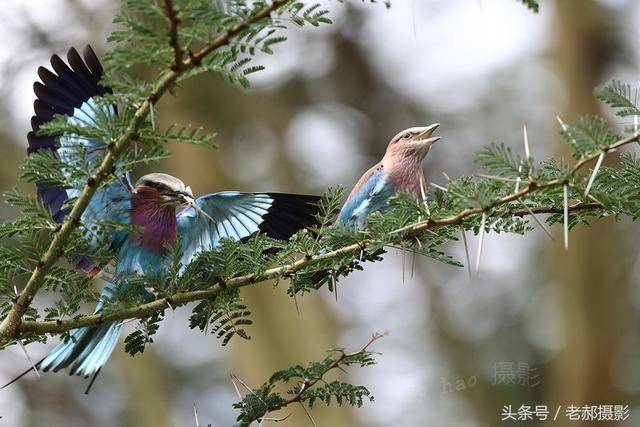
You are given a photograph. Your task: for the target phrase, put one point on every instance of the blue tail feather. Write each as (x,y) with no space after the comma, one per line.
(88,351)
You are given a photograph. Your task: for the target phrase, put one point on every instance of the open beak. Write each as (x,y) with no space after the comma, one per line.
(424,137)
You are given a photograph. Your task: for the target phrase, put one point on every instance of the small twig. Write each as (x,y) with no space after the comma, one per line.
(172,17)
(555,209)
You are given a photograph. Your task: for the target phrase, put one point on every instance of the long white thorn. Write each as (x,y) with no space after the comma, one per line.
(592,178)
(565,191)
(306,411)
(527,150)
(636,118)
(153,116)
(334,283)
(439,187)
(540,223)
(497,178)
(124,322)
(423,193)
(518,179)
(195,415)
(33,366)
(235,386)
(525,136)
(481,240)
(595,200)
(413,263)
(404,256)
(295,301)
(562,124)
(466,249)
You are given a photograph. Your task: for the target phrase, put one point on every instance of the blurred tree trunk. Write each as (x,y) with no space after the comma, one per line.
(589,277)
(148,389)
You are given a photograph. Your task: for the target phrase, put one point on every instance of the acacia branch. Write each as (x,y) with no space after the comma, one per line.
(174,21)
(10,326)
(308,383)
(287,270)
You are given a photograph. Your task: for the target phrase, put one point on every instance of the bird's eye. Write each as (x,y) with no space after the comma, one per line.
(406,135)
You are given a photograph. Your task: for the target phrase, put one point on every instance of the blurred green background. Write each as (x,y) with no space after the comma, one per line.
(537,326)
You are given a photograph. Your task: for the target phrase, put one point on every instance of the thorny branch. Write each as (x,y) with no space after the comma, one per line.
(402,234)
(10,327)
(308,383)
(170,11)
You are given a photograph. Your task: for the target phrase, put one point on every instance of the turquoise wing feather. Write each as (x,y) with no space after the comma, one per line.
(70,90)
(237,215)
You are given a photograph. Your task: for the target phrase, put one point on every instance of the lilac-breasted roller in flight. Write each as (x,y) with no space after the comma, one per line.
(400,169)
(161,206)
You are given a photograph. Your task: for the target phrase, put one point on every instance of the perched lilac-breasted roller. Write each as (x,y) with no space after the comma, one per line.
(399,169)
(161,206)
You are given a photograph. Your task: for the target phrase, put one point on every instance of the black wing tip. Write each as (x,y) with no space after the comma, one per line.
(309,198)
(289,214)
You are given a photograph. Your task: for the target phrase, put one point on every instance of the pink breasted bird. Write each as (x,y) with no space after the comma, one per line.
(400,169)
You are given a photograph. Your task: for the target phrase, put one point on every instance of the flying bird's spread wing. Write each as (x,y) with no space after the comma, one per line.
(236,215)
(70,90)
